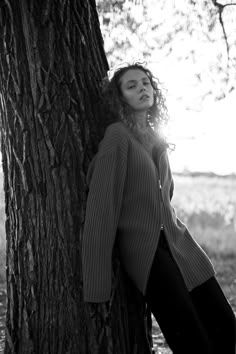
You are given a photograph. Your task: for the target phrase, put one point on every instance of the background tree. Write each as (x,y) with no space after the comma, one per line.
(196,33)
(51,64)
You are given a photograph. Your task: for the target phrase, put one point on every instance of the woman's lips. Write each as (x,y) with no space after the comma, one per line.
(144,97)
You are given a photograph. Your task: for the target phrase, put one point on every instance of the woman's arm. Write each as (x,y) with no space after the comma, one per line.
(107,174)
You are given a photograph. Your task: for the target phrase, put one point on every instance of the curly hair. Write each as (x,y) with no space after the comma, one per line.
(115,108)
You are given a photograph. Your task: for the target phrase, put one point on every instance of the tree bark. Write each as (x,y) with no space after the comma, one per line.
(52,62)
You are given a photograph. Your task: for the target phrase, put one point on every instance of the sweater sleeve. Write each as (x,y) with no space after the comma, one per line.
(107,179)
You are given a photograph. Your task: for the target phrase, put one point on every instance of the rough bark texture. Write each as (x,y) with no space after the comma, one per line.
(51,63)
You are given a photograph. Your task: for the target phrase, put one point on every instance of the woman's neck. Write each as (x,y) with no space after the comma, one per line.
(141,119)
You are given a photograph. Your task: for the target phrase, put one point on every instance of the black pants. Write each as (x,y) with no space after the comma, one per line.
(196,322)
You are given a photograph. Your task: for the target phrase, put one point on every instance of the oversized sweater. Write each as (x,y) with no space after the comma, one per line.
(129,201)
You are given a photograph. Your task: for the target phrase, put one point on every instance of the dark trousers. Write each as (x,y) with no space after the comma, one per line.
(196,322)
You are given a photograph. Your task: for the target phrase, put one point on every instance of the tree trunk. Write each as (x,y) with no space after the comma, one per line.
(51,63)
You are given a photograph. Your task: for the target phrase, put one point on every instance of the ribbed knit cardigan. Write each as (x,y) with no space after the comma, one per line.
(129,201)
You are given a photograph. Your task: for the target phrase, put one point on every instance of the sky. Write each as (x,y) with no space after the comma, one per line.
(205,141)
(205,134)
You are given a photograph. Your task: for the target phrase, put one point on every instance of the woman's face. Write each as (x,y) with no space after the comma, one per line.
(137,90)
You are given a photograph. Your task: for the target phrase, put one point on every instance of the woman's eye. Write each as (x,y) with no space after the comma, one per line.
(131,86)
(146,83)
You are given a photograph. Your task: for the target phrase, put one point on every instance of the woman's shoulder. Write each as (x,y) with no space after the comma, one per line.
(116,135)
(116,129)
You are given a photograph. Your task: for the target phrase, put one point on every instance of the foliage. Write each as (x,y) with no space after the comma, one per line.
(193,32)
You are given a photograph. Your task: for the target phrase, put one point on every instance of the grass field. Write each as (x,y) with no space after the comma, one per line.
(208,207)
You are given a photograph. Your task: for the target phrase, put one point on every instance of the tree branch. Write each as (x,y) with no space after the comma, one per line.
(231,4)
(220,12)
(217,4)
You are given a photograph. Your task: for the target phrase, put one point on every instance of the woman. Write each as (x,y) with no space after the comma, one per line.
(129,200)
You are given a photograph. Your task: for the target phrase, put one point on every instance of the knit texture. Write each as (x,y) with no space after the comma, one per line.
(129,200)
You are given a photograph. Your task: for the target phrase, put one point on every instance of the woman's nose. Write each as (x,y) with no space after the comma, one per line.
(142,88)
